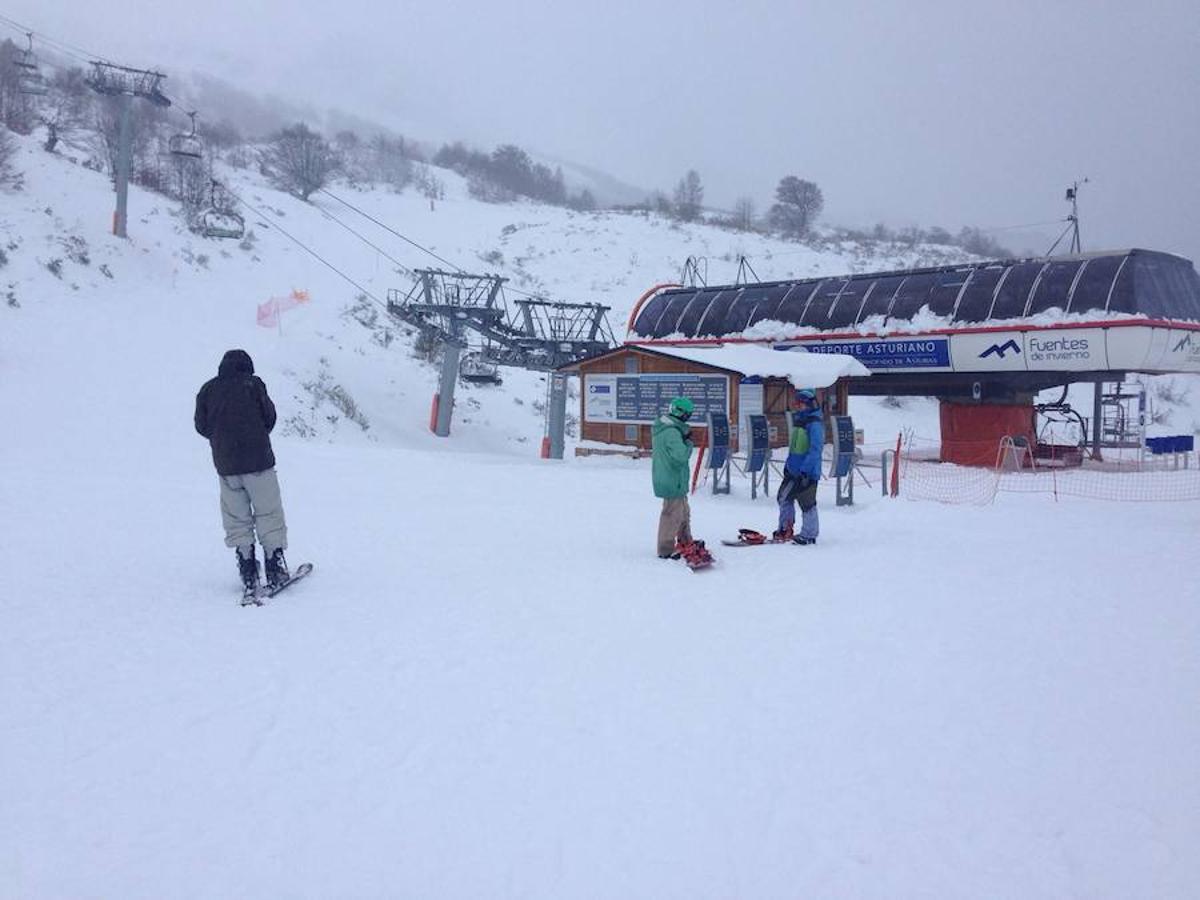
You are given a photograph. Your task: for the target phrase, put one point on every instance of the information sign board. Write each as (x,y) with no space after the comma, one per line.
(640,398)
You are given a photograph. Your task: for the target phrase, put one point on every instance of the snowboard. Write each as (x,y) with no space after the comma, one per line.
(748,537)
(698,559)
(264,592)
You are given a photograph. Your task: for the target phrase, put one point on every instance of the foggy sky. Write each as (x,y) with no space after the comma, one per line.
(929,112)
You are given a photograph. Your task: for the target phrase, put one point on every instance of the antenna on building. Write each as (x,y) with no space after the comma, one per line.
(1072,228)
(744,267)
(692,277)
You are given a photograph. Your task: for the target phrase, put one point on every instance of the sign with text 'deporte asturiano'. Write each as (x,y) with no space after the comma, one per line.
(640,399)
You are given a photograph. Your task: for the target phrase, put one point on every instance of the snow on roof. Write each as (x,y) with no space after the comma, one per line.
(801,368)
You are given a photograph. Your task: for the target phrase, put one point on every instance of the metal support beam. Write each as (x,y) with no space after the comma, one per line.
(557,414)
(445,410)
(1097,417)
(124,165)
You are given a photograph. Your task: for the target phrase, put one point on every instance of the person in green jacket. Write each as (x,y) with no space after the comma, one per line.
(671,447)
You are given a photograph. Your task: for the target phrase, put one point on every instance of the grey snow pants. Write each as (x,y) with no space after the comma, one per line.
(803,490)
(250,505)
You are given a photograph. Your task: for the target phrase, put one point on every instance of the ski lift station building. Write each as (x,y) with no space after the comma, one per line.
(983,337)
(626,388)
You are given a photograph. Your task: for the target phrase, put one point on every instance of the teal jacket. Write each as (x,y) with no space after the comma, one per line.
(670,451)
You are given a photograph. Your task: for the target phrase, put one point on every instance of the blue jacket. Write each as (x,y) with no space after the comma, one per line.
(808,437)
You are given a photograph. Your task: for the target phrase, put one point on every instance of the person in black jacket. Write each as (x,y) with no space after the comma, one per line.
(236,414)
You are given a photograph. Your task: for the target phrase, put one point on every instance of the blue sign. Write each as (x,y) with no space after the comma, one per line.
(892,353)
(760,443)
(718,429)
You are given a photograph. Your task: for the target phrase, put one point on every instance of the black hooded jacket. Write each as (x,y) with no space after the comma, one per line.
(234,412)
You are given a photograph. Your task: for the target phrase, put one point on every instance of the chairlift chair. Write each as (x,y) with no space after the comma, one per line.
(1050,452)
(473,367)
(29,76)
(217,223)
(187,145)
(27,59)
(218,220)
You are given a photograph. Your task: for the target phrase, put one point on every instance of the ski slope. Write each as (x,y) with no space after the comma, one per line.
(490,687)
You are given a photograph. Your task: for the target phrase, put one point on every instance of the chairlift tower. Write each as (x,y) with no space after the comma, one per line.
(541,335)
(125,84)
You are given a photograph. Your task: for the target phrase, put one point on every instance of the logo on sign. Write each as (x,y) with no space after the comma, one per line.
(1185,344)
(600,388)
(1001,350)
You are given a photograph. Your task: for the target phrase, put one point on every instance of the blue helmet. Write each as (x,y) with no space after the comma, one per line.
(806,397)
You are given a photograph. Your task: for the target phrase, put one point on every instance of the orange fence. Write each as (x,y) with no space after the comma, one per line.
(1131,478)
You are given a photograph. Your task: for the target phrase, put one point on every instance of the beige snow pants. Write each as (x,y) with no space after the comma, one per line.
(250,505)
(675,522)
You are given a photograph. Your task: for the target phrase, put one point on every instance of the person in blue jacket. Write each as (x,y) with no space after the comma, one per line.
(802,470)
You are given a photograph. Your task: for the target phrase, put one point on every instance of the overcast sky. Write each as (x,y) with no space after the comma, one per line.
(948,112)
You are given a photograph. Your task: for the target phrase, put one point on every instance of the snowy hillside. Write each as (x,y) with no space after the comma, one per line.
(491,687)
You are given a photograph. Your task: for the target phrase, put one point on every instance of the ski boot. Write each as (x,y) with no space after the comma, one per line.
(781,535)
(248,569)
(803,541)
(276,568)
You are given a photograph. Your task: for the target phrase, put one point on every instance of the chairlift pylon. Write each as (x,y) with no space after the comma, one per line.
(187,145)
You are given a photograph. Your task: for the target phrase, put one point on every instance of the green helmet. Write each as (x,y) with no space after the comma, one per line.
(682,408)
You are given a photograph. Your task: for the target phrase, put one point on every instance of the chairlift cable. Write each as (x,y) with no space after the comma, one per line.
(419,247)
(66,49)
(388,228)
(366,241)
(313,253)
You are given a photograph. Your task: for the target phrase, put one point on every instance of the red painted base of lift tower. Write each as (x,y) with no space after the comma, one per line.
(971,432)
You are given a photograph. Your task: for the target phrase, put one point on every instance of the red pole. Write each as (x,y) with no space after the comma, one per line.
(699,460)
(896,470)
(433,413)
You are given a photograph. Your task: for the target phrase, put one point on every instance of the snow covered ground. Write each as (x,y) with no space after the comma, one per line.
(491,687)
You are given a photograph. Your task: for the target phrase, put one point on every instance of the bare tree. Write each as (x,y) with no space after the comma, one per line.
(299,160)
(147,124)
(743,213)
(389,162)
(584,201)
(66,106)
(689,196)
(797,205)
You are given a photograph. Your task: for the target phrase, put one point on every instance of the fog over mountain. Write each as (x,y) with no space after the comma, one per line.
(932,112)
